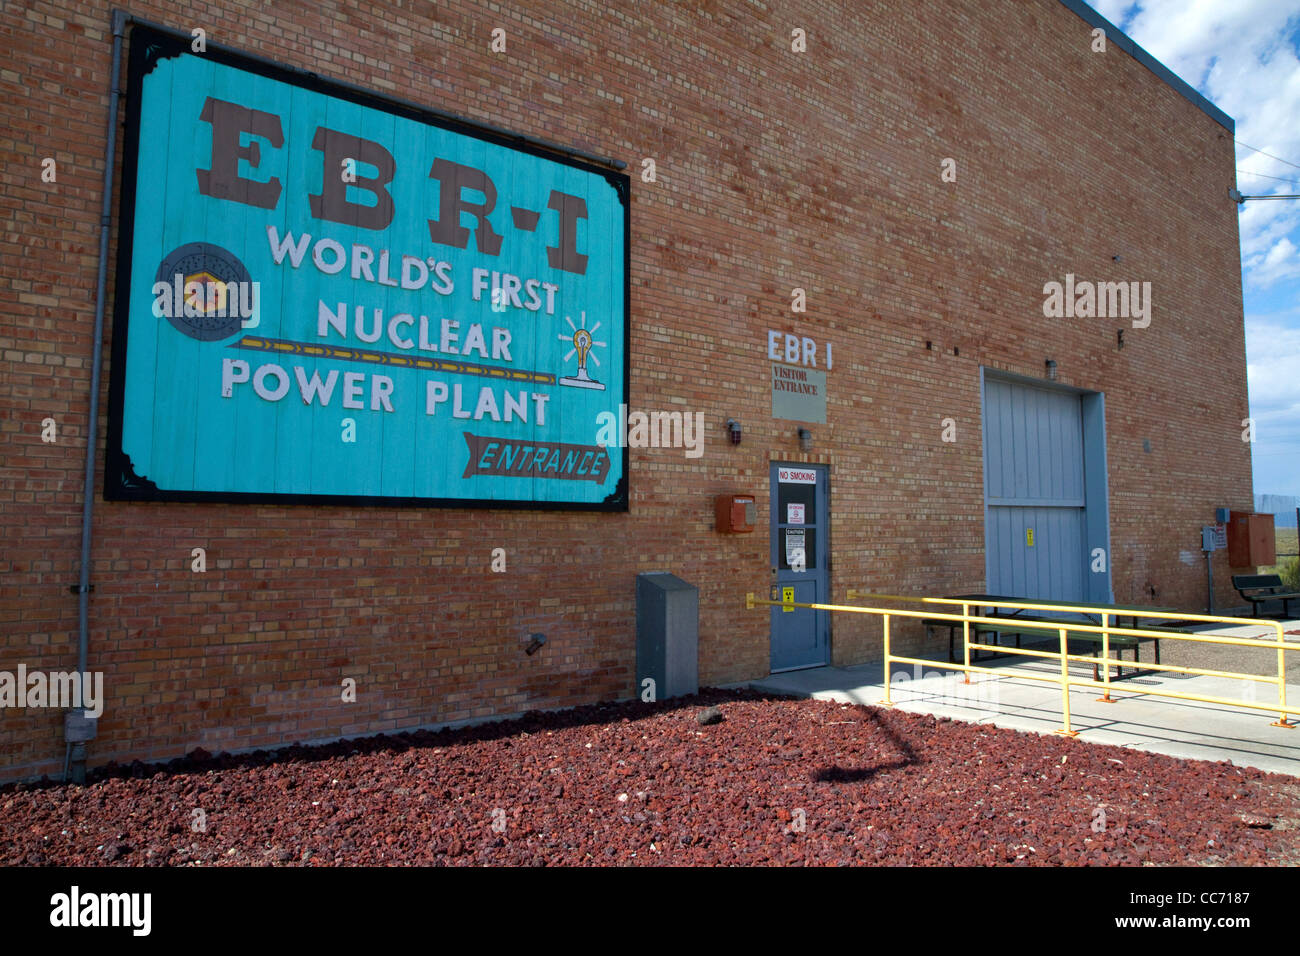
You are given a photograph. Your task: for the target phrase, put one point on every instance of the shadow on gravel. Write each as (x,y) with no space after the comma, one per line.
(535,721)
(838,774)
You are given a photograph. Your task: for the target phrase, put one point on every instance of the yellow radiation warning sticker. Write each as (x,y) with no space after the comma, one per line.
(1029,537)
(787,600)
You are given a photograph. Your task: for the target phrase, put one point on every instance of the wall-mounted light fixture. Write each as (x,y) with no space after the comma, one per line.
(733,429)
(535,644)
(1051,370)
(805,440)
(1119,338)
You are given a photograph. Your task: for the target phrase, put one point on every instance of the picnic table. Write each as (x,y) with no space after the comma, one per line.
(1021,621)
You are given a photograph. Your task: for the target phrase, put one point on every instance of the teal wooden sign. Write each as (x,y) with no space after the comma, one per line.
(328,297)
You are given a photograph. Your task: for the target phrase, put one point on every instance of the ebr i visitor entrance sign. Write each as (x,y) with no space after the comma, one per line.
(326,297)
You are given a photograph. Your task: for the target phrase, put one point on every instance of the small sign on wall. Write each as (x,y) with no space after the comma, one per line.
(798,394)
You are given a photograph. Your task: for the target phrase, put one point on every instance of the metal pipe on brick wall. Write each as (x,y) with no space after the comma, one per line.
(76,753)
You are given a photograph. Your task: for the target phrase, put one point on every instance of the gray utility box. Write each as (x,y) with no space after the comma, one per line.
(667,635)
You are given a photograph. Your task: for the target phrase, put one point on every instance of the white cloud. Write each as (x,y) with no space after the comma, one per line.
(1238,54)
(1263,224)
(1273,365)
(1279,262)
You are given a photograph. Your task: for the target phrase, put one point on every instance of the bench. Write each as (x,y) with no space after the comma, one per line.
(1019,624)
(1050,627)
(955,626)
(1121,642)
(1260,588)
(978,628)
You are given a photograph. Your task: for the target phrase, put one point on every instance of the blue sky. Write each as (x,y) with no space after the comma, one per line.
(1244,56)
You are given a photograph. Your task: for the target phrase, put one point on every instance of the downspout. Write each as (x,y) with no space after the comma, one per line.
(76,739)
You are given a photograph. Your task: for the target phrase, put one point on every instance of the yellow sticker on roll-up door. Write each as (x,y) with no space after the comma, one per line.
(787,600)
(1029,537)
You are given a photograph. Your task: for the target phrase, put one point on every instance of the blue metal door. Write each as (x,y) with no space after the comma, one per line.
(1034,492)
(799,555)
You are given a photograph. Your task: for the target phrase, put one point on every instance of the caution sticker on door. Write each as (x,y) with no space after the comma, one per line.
(794,547)
(787,600)
(1029,537)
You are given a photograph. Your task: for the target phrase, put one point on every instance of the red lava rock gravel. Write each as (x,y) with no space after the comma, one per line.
(774,782)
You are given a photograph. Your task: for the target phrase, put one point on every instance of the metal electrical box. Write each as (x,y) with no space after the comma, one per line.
(78,727)
(735,513)
(1250,540)
(667,635)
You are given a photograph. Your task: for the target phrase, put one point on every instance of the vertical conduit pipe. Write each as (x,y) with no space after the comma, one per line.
(76,753)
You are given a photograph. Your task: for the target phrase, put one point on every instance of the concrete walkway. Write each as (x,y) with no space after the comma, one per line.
(1179,728)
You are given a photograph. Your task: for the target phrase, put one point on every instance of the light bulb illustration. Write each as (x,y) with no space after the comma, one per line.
(583,344)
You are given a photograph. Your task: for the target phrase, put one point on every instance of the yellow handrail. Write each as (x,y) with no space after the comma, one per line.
(1063,629)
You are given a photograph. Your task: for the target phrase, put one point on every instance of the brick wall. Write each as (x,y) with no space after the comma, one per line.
(776,169)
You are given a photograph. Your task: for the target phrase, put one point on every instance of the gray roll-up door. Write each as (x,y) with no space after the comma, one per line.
(1034,492)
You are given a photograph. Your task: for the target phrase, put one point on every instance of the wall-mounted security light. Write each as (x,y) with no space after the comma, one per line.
(1051,370)
(535,644)
(733,429)
(805,440)
(1119,338)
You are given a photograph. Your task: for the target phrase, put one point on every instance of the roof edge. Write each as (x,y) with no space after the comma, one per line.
(1117,36)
